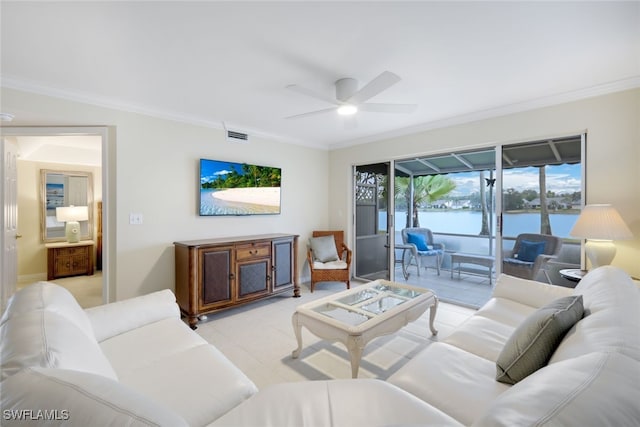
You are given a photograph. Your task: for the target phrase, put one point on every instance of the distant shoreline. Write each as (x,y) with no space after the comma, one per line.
(267,196)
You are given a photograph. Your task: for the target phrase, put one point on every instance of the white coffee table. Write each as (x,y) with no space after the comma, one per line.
(357,316)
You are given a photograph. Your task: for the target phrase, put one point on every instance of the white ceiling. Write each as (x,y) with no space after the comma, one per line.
(229,62)
(67,149)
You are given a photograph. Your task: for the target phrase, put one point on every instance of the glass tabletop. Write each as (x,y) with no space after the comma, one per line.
(372,300)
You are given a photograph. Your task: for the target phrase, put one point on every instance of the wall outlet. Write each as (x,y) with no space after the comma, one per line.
(135,218)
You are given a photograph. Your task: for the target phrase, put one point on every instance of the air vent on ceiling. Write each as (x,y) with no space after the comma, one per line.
(235,136)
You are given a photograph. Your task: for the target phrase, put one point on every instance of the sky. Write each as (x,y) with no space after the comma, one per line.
(560,179)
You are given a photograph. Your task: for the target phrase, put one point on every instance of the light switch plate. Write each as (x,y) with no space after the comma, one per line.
(135,218)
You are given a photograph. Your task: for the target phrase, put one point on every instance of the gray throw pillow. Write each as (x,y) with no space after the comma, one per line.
(532,344)
(324,248)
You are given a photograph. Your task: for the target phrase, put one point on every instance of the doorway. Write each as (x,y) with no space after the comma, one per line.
(373,221)
(30,135)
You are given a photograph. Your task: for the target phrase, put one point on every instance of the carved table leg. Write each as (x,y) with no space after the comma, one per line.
(432,316)
(355,346)
(297,329)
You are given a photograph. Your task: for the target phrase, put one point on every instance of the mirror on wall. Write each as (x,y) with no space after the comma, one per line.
(62,189)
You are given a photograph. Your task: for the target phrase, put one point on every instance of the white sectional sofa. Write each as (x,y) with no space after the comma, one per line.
(132,362)
(135,363)
(591,379)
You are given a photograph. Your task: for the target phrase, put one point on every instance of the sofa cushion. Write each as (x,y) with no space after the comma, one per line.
(611,316)
(596,389)
(481,336)
(76,398)
(336,403)
(324,248)
(175,367)
(529,251)
(528,292)
(43,338)
(454,381)
(119,317)
(533,342)
(51,297)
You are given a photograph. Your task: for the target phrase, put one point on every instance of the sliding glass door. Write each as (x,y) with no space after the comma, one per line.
(542,193)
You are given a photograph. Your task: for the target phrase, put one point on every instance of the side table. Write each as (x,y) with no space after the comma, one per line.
(69,259)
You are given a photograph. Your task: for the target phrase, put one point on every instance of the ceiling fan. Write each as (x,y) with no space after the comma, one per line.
(349,100)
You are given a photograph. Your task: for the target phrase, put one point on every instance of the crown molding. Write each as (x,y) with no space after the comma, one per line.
(111,103)
(504,110)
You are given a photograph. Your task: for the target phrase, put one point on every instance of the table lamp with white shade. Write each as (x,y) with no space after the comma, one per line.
(600,225)
(72,215)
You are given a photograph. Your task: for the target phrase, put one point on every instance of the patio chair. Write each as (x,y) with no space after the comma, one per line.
(423,246)
(329,258)
(530,254)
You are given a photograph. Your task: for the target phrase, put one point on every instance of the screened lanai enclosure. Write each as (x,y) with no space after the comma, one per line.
(475,203)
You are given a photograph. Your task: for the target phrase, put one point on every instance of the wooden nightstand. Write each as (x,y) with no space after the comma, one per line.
(69,259)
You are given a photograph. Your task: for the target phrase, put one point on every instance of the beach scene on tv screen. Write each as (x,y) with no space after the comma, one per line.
(228,188)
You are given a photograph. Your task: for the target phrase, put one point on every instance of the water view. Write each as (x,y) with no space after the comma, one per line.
(469,222)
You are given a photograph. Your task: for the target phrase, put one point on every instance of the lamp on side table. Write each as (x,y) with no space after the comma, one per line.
(600,225)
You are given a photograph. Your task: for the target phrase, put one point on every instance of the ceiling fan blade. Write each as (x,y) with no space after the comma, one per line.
(312,113)
(374,87)
(311,93)
(388,108)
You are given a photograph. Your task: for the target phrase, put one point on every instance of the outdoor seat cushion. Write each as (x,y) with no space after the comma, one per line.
(431,252)
(518,262)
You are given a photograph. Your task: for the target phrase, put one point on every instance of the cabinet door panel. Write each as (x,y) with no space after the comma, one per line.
(216,270)
(283,266)
(253,277)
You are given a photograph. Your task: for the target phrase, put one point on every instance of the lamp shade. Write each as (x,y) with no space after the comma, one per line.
(72,213)
(601,222)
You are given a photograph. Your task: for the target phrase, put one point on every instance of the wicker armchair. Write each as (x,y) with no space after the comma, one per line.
(528,269)
(332,271)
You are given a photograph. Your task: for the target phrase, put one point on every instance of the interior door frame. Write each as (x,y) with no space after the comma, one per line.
(108,205)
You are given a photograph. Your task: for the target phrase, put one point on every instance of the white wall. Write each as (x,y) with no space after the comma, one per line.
(154,171)
(613,155)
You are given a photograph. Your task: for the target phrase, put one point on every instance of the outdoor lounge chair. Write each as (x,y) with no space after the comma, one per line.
(530,254)
(423,246)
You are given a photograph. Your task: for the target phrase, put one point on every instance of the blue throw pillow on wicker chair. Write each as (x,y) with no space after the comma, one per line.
(529,251)
(419,240)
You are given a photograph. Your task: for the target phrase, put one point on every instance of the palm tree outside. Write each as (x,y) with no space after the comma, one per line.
(426,189)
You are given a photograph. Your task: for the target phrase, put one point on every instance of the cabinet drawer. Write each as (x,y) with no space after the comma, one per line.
(250,251)
(60,252)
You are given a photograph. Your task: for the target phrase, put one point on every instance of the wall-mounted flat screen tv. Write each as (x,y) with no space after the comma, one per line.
(228,188)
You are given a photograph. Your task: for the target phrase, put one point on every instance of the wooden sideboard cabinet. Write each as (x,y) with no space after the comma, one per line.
(69,259)
(217,274)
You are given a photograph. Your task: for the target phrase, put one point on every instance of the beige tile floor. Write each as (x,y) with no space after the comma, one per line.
(259,337)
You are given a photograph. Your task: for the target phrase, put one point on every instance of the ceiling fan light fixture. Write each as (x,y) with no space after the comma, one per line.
(347,110)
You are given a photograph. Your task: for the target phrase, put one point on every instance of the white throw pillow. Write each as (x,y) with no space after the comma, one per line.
(324,248)
(77,398)
(42,338)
